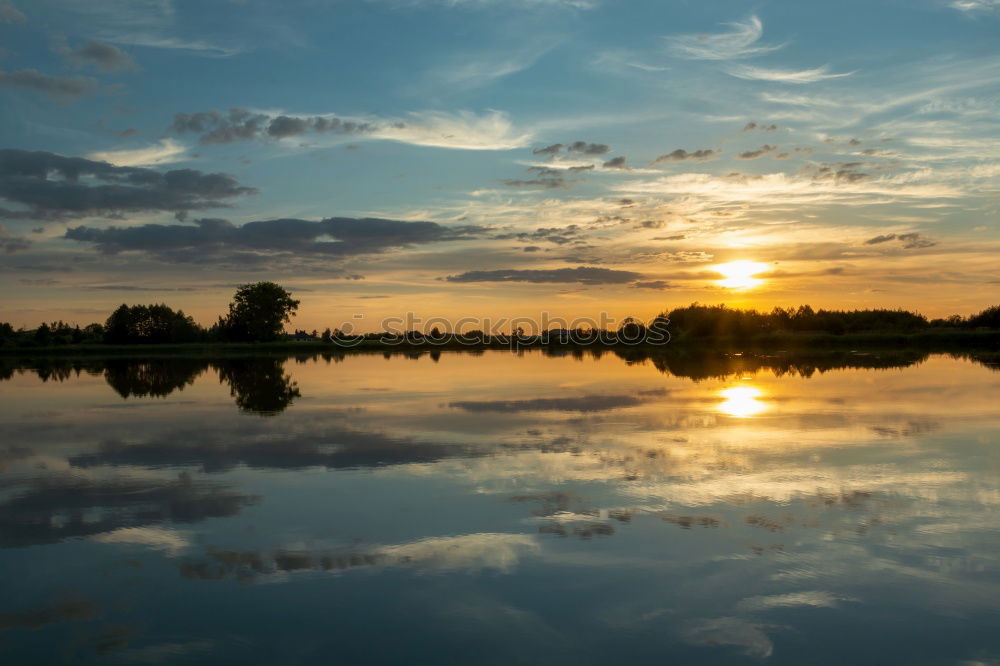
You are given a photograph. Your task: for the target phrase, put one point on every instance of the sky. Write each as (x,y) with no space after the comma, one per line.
(490,159)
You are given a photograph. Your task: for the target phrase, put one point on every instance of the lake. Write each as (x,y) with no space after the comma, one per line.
(493,508)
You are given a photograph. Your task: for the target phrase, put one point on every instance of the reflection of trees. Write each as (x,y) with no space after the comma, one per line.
(259,385)
(158,378)
(715,364)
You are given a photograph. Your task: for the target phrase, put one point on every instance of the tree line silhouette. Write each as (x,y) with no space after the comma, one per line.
(259,311)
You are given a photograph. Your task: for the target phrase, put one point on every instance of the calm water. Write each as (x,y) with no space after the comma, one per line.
(500,509)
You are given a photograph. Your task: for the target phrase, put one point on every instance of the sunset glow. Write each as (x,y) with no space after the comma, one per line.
(739,274)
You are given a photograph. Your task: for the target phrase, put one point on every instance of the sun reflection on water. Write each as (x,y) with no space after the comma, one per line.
(741,401)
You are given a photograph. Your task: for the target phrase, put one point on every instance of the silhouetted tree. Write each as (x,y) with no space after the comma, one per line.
(258,313)
(990,318)
(150,324)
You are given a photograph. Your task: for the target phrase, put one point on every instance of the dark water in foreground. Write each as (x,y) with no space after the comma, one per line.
(495,509)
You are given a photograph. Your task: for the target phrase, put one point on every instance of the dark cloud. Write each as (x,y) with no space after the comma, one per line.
(283,126)
(216,238)
(219,451)
(62,89)
(616,163)
(104,57)
(548,150)
(760,152)
(67,609)
(909,241)
(65,506)
(580,169)
(588,148)
(675,237)
(542,183)
(531,248)
(582,274)
(757,126)
(557,235)
(243,125)
(842,172)
(681,155)
(10,244)
(650,284)
(587,403)
(880,239)
(52,186)
(854,142)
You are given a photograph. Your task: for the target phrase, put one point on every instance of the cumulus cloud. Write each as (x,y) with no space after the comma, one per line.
(582,274)
(462,130)
(104,57)
(739,42)
(616,163)
(62,89)
(552,149)
(760,152)
(681,155)
(784,75)
(757,126)
(54,186)
(335,237)
(588,148)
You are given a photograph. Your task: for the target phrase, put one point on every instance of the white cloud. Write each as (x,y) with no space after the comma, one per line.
(810,598)
(740,42)
(971,6)
(730,631)
(780,189)
(170,541)
(164,152)
(480,70)
(463,130)
(194,46)
(784,75)
(464,552)
(566,4)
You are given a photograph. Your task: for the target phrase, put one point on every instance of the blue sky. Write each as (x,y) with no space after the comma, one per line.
(569,156)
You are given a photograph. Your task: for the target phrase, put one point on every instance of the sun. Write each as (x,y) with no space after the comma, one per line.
(742,401)
(739,274)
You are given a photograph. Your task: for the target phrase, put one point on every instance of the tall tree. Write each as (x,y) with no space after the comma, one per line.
(258,312)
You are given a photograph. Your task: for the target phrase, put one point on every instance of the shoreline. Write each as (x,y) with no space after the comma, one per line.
(944,341)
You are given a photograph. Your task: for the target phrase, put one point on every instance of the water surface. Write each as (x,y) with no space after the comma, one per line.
(496,509)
